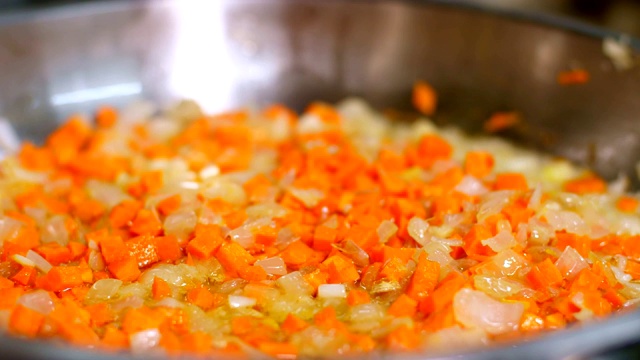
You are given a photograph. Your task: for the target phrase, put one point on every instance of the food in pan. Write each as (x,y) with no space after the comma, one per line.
(333,231)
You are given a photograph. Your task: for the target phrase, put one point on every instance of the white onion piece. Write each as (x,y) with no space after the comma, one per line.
(585,313)
(493,203)
(180,224)
(108,194)
(38,301)
(417,229)
(266,210)
(294,284)
(332,291)
(536,197)
(540,232)
(273,266)
(55,230)
(309,197)
(386,230)
(170,302)
(567,220)
(570,263)
(22,260)
(8,228)
(497,287)
(133,302)
(471,186)
(285,238)
(502,241)
(209,171)
(476,309)
(438,252)
(96,262)
(456,337)
(242,236)
(355,253)
(510,263)
(39,262)
(103,289)
(237,301)
(145,340)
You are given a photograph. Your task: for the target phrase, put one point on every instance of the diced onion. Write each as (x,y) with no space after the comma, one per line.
(273,266)
(386,230)
(39,262)
(309,197)
(145,340)
(38,300)
(170,302)
(476,309)
(23,260)
(502,241)
(180,224)
(237,301)
(570,263)
(417,229)
(103,289)
(294,284)
(332,291)
(469,185)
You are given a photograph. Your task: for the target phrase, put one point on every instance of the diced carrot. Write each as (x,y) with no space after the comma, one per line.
(167,248)
(123,214)
(233,257)
(424,279)
(473,241)
(140,319)
(25,276)
(627,204)
(403,306)
(424,98)
(54,253)
(585,185)
(201,297)
(511,181)
(115,338)
(581,243)
(478,163)
(402,338)
(63,277)
(146,223)
(106,116)
(296,254)
(197,342)
(341,270)
(160,288)
(101,314)
(573,77)
(279,349)
(113,249)
(358,297)
(293,324)
(77,249)
(206,242)
(432,148)
(143,249)
(24,321)
(324,237)
(169,204)
(501,120)
(394,270)
(5,283)
(126,269)
(442,296)
(544,274)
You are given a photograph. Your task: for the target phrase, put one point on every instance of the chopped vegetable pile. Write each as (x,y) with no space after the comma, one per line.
(336,231)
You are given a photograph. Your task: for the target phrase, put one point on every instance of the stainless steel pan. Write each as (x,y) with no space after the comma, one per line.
(233,52)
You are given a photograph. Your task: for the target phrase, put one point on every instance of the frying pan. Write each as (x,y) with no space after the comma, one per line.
(228,53)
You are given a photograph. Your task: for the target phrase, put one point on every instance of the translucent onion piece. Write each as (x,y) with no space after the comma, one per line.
(55,230)
(567,220)
(417,229)
(510,263)
(476,309)
(8,228)
(502,241)
(103,290)
(497,287)
(332,291)
(180,224)
(170,302)
(471,186)
(145,340)
(294,284)
(356,253)
(456,337)
(309,197)
(273,266)
(39,262)
(492,203)
(237,301)
(242,236)
(570,263)
(22,260)
(386,230)
(38,300)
